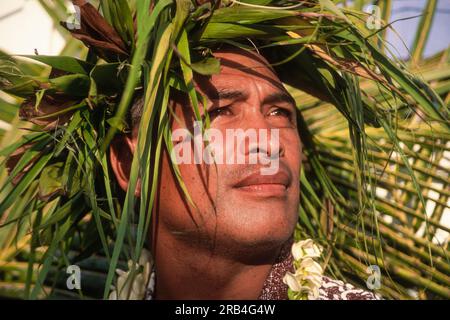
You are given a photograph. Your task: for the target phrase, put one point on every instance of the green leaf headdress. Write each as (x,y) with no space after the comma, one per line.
(361,117)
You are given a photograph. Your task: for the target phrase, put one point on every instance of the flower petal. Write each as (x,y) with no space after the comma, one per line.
(291,281)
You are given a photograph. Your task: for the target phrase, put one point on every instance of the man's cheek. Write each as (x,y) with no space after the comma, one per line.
(200,182)
(293,153)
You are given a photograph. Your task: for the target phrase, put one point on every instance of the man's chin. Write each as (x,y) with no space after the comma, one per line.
(257,234)
(255,250)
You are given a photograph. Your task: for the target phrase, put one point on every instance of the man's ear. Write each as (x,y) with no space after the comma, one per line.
(121,153)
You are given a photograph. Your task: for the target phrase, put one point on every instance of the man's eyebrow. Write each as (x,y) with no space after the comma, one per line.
(227,94)
(278,97)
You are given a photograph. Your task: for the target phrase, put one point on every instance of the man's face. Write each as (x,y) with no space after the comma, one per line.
(236,205)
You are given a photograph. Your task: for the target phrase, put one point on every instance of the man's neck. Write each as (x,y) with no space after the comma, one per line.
(185,271)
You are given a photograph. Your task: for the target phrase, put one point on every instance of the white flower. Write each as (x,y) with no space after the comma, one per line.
(309,266)
(306,249)
(132,284)
(307,279)
(292,282)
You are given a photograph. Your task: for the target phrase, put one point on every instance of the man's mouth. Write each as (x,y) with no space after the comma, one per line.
(265,185)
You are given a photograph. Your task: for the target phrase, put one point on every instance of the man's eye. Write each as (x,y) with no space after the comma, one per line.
(220,111)
(281,112)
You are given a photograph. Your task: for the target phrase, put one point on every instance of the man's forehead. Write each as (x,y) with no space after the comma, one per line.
(240,61)
(237,67)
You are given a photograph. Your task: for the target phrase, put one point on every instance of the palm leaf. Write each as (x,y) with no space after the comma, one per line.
(374,185)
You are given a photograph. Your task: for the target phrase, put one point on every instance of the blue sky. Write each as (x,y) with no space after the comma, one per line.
(439,38)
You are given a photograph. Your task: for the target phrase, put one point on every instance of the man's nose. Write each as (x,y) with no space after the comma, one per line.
(267,143)
(267,138)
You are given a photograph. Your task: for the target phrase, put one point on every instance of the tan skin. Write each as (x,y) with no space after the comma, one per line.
(225,247)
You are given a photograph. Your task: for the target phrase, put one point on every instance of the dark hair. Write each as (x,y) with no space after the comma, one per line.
(135,111)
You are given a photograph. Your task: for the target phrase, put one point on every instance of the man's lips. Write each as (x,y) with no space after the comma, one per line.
(265,185)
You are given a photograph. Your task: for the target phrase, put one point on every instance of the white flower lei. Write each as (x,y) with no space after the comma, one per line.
(133,284)
(305,282)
